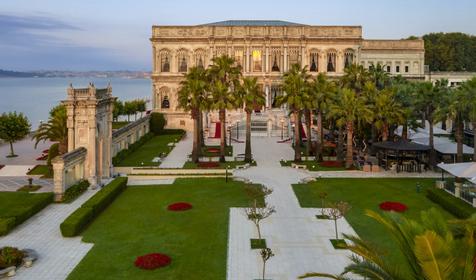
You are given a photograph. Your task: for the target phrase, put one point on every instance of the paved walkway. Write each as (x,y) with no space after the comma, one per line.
(15,170)
(25,149)
(12,184)
(300,241)
(178,156)
(58,256)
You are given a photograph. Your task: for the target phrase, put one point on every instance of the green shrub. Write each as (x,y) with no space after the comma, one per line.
(79,219)
(10,256)
(454,205)
(76,222)
(132,148)
(157,123)
(6,224)
(75,190)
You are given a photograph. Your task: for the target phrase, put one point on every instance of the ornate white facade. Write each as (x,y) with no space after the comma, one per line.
(266,49)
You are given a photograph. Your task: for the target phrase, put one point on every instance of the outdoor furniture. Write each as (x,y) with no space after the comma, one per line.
(408,155)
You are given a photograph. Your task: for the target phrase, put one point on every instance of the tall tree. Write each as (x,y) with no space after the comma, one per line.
(192,97)
(387,112)
(295,86)
(13,127)
(322,92)
(469,90)
(355,77)
(118,109)
(379,76)
(350,109)
(252,97)
(405,96)
(224,79)
(55,130)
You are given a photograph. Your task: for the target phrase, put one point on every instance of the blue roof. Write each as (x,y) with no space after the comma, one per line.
(253,23)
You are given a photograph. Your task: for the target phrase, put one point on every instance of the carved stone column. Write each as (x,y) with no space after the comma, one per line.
(340,62)
(267,60)
(285,66)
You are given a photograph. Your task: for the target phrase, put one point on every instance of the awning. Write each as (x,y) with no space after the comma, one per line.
(462,170)
(444,145)
(400,145)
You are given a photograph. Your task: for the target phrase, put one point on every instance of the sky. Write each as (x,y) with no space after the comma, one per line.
(87,35)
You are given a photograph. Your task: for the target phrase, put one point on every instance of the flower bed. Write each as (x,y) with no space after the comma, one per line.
(393,206)
(152,261)
(179,206)
(10,256)
(209,164)
(332,164)
(42,157)
(213,150)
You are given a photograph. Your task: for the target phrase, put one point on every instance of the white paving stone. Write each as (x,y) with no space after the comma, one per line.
(300,241)
(178,156)
(57,255)
(15,170)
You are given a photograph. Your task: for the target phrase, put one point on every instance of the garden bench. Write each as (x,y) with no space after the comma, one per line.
(243,166)
(8,272)
(298,166)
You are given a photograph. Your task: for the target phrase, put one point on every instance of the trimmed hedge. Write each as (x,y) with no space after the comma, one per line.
(454,205)
(157,123)
(133,147)
(79,219)
(7,223)
(75,190)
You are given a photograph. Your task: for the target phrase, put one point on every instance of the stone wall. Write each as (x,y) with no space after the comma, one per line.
(68,169)
(129,134)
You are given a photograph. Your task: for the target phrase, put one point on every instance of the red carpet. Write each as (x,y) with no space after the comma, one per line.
(217,130)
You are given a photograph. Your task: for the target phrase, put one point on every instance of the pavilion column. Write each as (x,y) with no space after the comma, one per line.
(339,62)
(266,90)
(267,60)
(322,63)
(285,66)
(247,60)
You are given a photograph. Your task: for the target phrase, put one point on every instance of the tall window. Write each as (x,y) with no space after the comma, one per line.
(200,58)
(275,59)
(349,58)
(314,62)
(239,57)
(256,56)
(331,61)
(165,102)
(293,56)
(163,98)
(182,60)
(164,61)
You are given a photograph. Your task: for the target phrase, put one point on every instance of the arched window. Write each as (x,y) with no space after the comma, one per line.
(182,56)
(165,102)
(238,56)
(164,61)
(275,59)
(293,56)
(256,56)
(348,58)
(314,61)
(331,61)
(199,58)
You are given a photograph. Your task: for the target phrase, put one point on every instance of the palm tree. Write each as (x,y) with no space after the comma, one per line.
(252,97)
(224,81)
(55,129)
(387,112)
(295,86)
(429,248)
(469,90)
(405,96)
(379,76)
(322,92)
(192,97)
(355,77)
(350,109)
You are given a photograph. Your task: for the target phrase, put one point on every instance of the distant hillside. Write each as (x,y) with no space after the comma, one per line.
(14,74)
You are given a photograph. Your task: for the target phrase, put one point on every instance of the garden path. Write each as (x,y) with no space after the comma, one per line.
(300,241)
(178,156)
(58,256)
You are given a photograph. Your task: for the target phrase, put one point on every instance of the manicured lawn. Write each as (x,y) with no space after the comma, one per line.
(222,165)
(151,149)
(138,223)
(313,166)
(41,170)
(364,194)
(19,206)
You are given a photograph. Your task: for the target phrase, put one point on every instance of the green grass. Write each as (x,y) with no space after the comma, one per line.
(258,243)
(364,194)
(41,170)
(28,188)
(117,125)
(138,223)
(223,165)
(339,244)
(313,166)
(151,149)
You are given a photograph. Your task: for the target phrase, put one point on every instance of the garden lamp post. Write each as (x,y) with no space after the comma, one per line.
(294,136)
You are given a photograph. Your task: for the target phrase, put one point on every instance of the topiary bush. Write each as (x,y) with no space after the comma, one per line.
(75,190)
(10,256)
(454,205)
(157,123)
(79,219)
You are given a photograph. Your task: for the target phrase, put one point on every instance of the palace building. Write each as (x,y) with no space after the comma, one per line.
(266,49)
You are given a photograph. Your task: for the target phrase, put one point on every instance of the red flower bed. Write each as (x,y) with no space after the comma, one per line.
(2,166)
(43,157)
(208,164)
(45,151)
(179,206)
(213,150)
(332,164)
(393,206)
(152,261)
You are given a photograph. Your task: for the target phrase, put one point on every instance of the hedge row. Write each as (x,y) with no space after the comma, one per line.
(157,123)
(454,205)
(79,219)
(132,147)
(75,190)
(9,223)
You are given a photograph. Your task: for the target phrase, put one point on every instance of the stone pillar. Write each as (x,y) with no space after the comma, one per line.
(247,60)
(457,191)
(339,62)
(285,66)
(322,62)
(58,180)
(91,147)
(267,60)
(266,90)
